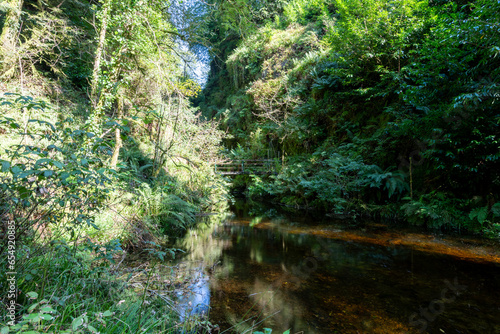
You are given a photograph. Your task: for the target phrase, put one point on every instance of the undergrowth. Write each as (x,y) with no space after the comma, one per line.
(72,220)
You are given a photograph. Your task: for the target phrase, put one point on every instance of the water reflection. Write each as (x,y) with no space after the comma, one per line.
(327,279)
(195,298)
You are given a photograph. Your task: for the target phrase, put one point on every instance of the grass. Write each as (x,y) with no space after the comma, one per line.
(67,290)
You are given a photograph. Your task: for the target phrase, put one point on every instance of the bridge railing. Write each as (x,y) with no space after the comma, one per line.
(246,166)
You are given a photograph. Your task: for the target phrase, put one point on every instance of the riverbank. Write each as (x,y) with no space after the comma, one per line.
(71,213)
(348,196)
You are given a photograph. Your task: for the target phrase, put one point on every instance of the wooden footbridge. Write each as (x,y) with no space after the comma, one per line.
(244,166)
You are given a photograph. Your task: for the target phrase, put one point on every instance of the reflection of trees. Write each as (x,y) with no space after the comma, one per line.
(264,275)
(358,284)
(195,298)
(244,302)
(264,266)
(203,251)
(288,310)
(202,243)
(244,289)
(260,272)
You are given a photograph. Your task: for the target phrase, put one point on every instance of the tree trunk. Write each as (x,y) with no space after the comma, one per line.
(118,138)
(96,99)
(98,55)
(10,33)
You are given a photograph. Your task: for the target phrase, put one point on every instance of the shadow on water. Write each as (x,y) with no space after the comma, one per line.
(328,278)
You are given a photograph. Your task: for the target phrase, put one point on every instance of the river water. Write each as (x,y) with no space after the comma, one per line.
(320,277)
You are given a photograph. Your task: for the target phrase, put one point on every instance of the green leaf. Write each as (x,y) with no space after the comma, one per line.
(144,167)
(107,313)
(4,330)
(47,309)
(77,323)
(92,329)
(483,213)
(33,316)
(58,164)
(32,295)
(42,161)
(32,307)
(495,209)
(5,165)
(23,192)
(16,170)
(479,213)
(48,173)
(46,317)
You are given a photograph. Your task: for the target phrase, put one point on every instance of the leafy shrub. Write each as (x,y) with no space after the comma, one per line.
(334,182)
(49,179)
(440,210)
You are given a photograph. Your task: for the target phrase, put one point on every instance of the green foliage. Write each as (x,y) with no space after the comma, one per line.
(269,331)
(53,47)
(440,210)
(242,16)
(371,36)
(394,182)
(73,214)
(166,210)
(303,11)
(331,181)
(79,294)
(454,90)
(480,214)
(48,178)
(411,84)
(137,48)
(436,210)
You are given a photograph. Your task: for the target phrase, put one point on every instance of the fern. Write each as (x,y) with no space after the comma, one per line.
(166,210)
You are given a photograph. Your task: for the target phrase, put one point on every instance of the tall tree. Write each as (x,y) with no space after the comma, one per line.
(136,63)
(99,52)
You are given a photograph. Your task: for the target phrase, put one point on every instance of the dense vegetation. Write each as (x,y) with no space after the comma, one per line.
(386,108)
(100,152)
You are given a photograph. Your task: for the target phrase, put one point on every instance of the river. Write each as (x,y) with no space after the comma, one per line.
(328,276)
